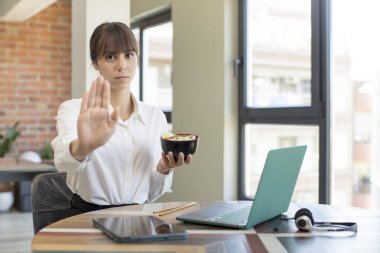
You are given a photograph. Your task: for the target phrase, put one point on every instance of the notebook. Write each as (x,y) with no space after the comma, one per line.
(273,194)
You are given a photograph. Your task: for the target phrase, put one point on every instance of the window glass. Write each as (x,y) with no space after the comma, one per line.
(135,85)
(260,138)
(280,54)
(158,55)
(355,103)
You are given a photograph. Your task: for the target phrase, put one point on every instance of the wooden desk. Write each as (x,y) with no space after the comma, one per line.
(22,172)
(12,169)
(78,234)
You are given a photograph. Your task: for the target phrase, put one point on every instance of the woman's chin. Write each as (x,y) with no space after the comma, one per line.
(120,84)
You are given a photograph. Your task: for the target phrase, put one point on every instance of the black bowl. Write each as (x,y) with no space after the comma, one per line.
(173,144)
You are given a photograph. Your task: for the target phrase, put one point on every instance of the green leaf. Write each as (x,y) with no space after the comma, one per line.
(6,141)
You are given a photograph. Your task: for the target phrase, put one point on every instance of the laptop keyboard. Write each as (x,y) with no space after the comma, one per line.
(239,217)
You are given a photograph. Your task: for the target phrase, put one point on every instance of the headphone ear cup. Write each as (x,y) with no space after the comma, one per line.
(304,211)
(304,219)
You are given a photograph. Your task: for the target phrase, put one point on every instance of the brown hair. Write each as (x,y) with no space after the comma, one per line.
(112,37)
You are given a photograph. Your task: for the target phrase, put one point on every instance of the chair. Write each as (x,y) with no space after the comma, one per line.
(23,188)
(51,199)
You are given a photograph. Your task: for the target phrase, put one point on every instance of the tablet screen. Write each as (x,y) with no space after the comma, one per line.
(138,228)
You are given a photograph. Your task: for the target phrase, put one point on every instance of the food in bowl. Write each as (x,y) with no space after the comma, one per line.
(177,143)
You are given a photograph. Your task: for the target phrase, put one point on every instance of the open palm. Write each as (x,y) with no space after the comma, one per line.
(95,125)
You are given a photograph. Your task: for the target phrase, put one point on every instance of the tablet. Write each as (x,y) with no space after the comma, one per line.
(138,228)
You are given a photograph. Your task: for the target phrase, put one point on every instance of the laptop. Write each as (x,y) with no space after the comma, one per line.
(273,194)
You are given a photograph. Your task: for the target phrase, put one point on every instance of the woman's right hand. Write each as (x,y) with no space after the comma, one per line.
(95,125)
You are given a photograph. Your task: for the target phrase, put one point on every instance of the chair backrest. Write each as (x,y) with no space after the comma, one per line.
(51,199)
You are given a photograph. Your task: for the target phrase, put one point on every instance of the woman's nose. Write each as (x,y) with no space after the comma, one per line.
(122,63)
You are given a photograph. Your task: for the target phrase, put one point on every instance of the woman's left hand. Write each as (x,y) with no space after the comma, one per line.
(167,162)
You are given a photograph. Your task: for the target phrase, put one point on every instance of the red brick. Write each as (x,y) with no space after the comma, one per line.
(8,45)
(8,107)
(29,136)
(28,74)
(49,77)
(62,28)
(27,61)
(56,34)
(39,99)
(38,84)
(38,69)
(49,47)
(26,32)
(38,54)
(6,121)
(26,92)
(46,136)
(49,63)
(30,121)
(6,61)
(51,93)
(35,25)
(26,47)
(17,53)
(16,68)
(49,19)
(8,76)
(25,107)
(16,99)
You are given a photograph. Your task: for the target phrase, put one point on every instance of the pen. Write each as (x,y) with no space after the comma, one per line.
(173,209)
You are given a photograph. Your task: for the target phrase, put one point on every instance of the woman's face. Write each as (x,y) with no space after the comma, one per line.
(118,68)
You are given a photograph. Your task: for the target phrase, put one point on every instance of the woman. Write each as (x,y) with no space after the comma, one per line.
(109,142)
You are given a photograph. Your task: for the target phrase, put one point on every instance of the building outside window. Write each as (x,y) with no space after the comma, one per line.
(279,79)
(154,82)
(355,103)
(313,77)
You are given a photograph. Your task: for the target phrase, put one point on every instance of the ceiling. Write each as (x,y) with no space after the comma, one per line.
(21,10)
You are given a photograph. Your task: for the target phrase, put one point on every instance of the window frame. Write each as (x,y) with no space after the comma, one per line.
(162,17)
(318,114)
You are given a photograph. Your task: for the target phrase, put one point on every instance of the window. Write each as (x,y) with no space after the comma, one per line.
(355,103)
(289,97)
(154,83)
(262,137)
(283,100)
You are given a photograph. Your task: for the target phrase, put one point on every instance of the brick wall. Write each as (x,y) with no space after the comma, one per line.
(35,74)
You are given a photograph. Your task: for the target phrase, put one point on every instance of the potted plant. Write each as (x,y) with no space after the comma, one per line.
(6,140)
(6,144)
(6,196)
(47,154)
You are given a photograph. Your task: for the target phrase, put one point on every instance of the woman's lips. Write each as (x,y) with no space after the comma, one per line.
(122,77)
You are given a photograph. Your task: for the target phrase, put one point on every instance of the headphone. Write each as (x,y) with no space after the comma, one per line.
(305,222)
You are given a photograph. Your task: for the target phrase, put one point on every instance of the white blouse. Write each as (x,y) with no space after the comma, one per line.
(122,171)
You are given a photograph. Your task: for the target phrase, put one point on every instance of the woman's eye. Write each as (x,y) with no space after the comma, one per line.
(129,55)
(109,57)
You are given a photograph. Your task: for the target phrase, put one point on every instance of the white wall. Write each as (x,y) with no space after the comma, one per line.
(204,93)
(86,16)
(204,89)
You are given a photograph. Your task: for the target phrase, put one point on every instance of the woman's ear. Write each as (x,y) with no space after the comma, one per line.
(95,65)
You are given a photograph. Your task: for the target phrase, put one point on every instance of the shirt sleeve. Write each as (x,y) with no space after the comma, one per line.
(67,132)
(160,183)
